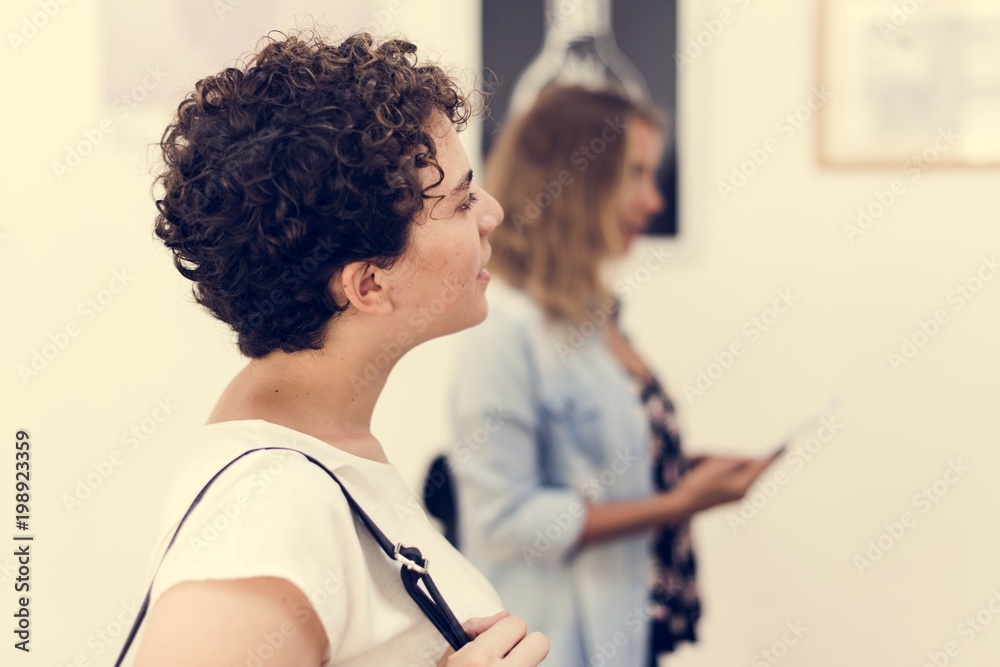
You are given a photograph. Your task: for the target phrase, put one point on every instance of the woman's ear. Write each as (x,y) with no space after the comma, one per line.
(364,286)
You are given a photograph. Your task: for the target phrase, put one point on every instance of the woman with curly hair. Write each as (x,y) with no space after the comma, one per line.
(320,202)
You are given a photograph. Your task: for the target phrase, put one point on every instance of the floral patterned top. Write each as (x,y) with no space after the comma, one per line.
(676,605)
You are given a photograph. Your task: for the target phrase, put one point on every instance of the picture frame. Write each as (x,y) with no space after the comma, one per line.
(513,32)
(912,83)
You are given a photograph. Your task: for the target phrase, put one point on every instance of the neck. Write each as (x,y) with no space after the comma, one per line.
(329,393)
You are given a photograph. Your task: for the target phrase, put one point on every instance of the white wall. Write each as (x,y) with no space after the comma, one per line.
(64,239)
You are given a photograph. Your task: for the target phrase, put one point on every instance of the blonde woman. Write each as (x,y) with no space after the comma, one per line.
(580,471)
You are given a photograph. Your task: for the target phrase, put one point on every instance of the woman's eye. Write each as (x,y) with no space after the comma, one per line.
(468,202)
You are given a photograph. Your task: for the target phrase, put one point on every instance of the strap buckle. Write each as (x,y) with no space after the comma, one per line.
(408,563)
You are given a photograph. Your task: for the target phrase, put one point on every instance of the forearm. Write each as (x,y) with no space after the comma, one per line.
(606,521)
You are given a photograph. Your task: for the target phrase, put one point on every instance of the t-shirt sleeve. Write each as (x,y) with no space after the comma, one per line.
(272,514)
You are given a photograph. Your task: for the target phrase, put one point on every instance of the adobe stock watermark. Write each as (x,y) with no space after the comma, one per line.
(271,642)
(109,636)
(580,159)
(767,488)
(544,539)
(8,569)
(928,329)
(461,450)
(923,501)
(898,17)
(779,648)
(751,331)
(435,646)
(625,287)
(967,630)
(913,169)
(120,110)
(470,443)
(102,470)
(711,30)
(419,321)
(223,515)
(592,491)
(786,126)
(304,271)
(292,278)
(383,17)
(87,310)
(561,9)
(604,651)
(225,7)
(32,24)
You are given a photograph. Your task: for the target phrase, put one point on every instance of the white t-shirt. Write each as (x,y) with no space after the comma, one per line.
(277,514)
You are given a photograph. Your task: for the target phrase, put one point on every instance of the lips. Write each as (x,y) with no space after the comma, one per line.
(489,253)
(636,230)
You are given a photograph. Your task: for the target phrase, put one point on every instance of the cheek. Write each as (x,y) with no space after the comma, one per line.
(463,252)
(455,262)
(630,202)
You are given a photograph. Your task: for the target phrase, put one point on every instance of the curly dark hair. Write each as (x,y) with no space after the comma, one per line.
(282,171)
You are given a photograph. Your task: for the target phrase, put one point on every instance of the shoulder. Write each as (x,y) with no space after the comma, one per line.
(270,513)
(244,473)
(270,527)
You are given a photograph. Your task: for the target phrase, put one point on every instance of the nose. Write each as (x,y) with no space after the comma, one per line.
(655,202)
(492,214)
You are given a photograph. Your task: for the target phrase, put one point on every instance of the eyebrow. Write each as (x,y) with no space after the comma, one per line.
(462,186)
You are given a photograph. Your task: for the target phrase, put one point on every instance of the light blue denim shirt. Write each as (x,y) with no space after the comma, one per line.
(545,422)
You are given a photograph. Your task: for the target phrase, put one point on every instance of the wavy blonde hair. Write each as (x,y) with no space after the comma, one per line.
(555,171)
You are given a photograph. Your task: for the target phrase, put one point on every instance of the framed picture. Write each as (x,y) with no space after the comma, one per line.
(910,82)
(514,31)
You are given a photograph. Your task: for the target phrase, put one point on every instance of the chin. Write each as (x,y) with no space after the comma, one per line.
(477,314)
(472,316)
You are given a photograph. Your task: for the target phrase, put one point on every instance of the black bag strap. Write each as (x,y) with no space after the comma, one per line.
(414,568)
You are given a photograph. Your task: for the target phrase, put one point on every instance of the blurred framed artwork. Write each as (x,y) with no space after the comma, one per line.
(910,82)
(514,32)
